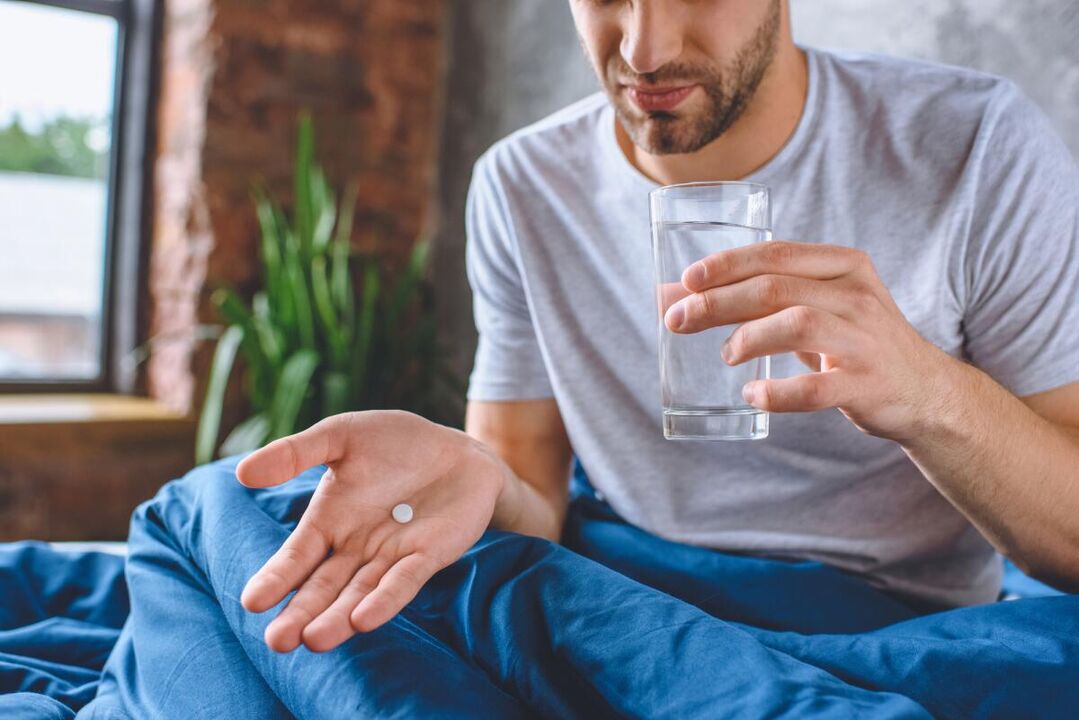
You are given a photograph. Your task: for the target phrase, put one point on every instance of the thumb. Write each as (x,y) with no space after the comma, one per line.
(287,457)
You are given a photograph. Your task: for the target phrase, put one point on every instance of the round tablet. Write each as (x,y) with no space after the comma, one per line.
(402,513)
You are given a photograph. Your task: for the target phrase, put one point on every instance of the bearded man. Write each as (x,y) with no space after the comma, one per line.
(920,302)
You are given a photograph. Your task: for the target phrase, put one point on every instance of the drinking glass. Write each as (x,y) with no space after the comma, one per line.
(701,394)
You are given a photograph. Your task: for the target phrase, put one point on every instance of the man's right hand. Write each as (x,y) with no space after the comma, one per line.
(353,566)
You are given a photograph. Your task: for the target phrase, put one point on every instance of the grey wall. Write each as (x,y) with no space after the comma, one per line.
(510,62)
(1034,42)
(514,61)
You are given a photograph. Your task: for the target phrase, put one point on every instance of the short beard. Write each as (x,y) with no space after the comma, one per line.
(728,92)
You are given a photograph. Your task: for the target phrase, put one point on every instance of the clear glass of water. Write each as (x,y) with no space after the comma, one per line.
(701,394)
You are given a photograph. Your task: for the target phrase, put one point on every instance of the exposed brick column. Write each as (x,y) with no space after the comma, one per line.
(235,75)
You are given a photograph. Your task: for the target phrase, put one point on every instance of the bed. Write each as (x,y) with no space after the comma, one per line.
(616,623)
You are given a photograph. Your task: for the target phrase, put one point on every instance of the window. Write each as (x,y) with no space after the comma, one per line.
(73,123)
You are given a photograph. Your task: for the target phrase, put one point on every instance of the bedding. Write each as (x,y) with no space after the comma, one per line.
(618,623)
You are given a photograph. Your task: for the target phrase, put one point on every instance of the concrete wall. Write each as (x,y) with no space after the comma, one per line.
(514,62)
(510,62)
(1034,42)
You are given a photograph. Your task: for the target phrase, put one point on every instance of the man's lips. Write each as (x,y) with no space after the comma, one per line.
(659,99)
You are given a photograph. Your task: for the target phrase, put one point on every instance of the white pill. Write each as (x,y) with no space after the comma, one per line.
(402,513)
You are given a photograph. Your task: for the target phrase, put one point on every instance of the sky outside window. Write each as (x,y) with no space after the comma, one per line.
(54,62)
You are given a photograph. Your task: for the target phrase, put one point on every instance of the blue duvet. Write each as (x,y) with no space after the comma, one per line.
(628,625)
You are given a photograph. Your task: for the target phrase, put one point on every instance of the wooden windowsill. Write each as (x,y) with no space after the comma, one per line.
(83,409)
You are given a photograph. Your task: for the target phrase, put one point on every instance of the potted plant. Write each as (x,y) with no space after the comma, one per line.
(329,330)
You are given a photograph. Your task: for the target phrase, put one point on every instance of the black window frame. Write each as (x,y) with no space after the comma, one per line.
(128,197)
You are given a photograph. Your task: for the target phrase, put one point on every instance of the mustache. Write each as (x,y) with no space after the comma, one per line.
(620,72)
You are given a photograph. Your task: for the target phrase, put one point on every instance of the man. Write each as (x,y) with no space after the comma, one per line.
(927,275)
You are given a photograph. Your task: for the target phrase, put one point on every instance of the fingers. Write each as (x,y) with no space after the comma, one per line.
(809,260)
(300,554)
(372,597)
(668,294)
(760,296)
(801,393)
(333,626)
(810,360)
(801,328)
(396,589)
(287,457)
(284,633)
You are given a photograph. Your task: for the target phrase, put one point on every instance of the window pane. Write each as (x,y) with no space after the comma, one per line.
(57,75)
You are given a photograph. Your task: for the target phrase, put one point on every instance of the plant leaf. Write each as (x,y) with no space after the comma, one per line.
(281,301)
(247,436)
(296,285)
(210,417)
(302,205)
(269,338)
(292,389)
(259,364)
(364,347)
(271,241)
(335,392)
(332,329)
(324,210)
(340,279)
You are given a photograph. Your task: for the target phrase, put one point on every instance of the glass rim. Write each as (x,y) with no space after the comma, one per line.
(709,183)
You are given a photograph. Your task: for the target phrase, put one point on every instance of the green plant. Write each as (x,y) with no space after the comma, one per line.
(330,330)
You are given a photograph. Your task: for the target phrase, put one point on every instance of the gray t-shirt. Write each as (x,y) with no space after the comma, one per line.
(953,183)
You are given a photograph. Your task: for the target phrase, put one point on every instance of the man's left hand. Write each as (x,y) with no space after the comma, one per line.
(827,305)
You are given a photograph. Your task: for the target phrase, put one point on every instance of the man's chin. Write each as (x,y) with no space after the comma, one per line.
(658,134)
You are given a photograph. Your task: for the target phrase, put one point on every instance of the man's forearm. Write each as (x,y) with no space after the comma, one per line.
(1014,474)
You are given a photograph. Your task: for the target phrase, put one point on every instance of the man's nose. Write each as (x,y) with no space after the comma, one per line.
(652,37)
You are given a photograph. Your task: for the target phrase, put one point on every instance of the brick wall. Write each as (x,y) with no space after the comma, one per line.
(235,74)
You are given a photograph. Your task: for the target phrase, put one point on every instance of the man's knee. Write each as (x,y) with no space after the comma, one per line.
(183,498)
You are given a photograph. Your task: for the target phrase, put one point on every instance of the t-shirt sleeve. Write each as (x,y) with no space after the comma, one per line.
(1021,321)
(508,364)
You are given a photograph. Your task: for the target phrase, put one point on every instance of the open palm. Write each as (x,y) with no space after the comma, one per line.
(353,566)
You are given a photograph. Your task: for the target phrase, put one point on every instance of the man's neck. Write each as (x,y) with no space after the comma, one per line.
(756,137)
